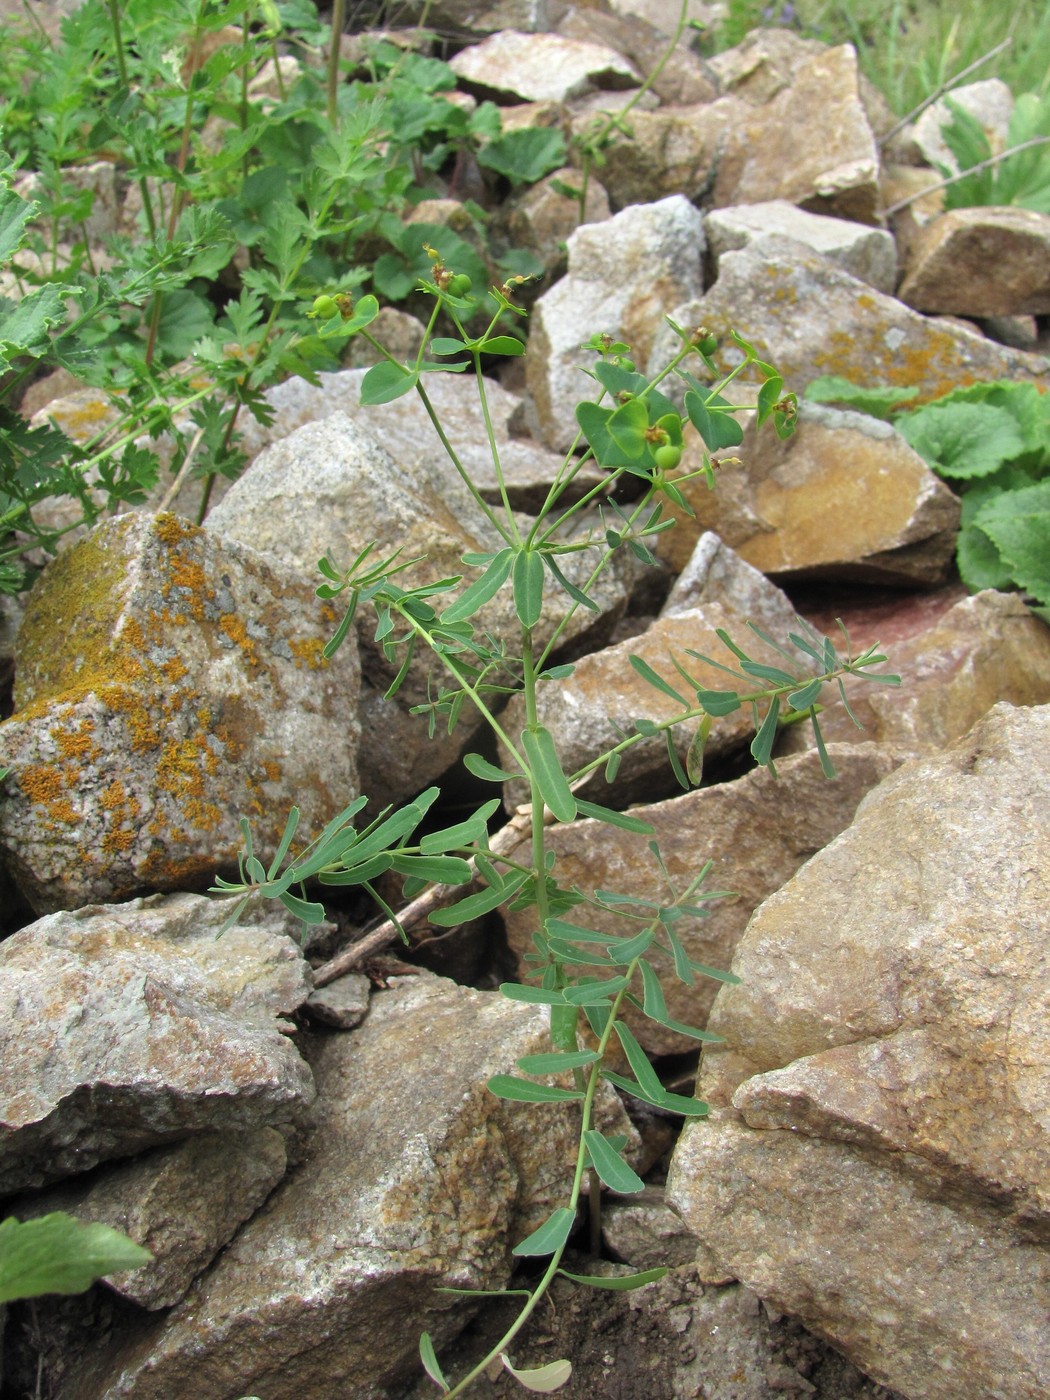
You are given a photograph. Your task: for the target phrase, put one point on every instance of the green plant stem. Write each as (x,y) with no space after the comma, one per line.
(122,69)
(338,20)
(548,1276)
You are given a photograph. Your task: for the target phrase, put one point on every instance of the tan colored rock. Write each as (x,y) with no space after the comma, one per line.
(684,78)
(809,318)
(956,665)
(863,251)
(624,274)
(764,64)
(990,101)
(168,683)
(757,831)
(543,217)
(672,151)
(183,1203)
(844,497)
(415,1178)
(980,262)
(810,144)
(592,710)
(541,67)
(101,1011)
(882,1171)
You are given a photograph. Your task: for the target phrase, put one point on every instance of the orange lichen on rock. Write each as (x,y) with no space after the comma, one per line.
(309,652)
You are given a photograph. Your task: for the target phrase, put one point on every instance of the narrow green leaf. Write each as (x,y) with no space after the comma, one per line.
(694,757)
(451,838)
(612,818)
(482,768)
(639,1061)
(550,1236)
(619,1283)
(482,902)
(762,744)
(304,909)
(634,947)
(673,1103)
(556,1062)
(807,696)
(534,996)
(827,767)
(436,869)
(548,773)
(718,702)
(541,1380)
(654,1005)
(681,777)
(428,1356)
(576,594)
(593,993)
(508,1086)
(528,586)
(654,679)
(610,1166)
(481,590)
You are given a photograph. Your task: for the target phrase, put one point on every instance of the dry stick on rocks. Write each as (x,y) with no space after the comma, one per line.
(971,170)
(946,86)
(414,913)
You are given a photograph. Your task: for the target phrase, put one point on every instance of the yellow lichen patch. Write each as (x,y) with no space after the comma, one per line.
(308,652)
(272,769)
(172,531)
(118,841)
(234,628)
(78,744)
(175,670)
(41,783)
(131,705)
(934,366)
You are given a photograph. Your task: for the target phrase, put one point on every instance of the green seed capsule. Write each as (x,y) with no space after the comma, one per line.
(324,308)
(667,456)
(459,285)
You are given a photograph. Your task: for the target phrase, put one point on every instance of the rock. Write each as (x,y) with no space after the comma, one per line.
(757,831)
(99,1009)
(343,1003)
(1020,332)
(99,180)
(683,79)
(865,252)
(190,693)
(182,1202)
(415,1178)
(882,1170)
(592,710)
(543,218)
(541,67)
(645,1232)
(672,151)
(798,129)
(980,262)
(408,435)
(359,497)
(844,498)
(623,275)
(956,665)
(989,100)
(809,318)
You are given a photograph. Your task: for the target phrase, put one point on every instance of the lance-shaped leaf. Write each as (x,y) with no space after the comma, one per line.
(655,679)
(618,1283)
(508,1086)
(482,589)
(528,587)
(550,1236)
(548,773)
(59,1254)
(428,1356)
(610,1166)
(557,1061)
(541,1380)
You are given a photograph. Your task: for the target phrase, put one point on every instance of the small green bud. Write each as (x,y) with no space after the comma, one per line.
(667,456)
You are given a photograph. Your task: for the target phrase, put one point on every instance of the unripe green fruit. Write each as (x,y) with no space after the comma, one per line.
(708,345)
(667,456)
(325,307)
(459,285)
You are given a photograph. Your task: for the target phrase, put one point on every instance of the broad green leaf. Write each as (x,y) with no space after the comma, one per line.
(526,155)
(435,869)
(718,702)
(528,587)
(481,590)
(654,679)
(385,382)
(507,1086)
(619,1283)
(717,428)
(59,1254)
(428,1356)
(482,768)
(612,818)
(628,425)
(1018,524)
(541,1380)
(304,909)
(878,402)
(446,345)
(502,345)
(610,1166)
(807,696)
(768,397)
(556,1062)
(534,996)
(548,773)
(963,440)
(24,326)
(15,213)
(550,1236)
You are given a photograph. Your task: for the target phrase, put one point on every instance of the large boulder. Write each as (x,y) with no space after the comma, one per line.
(877,1163)
(980,262)
(168,684)
(128,1026)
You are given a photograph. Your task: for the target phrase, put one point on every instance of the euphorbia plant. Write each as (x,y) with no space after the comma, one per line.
(588,978)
